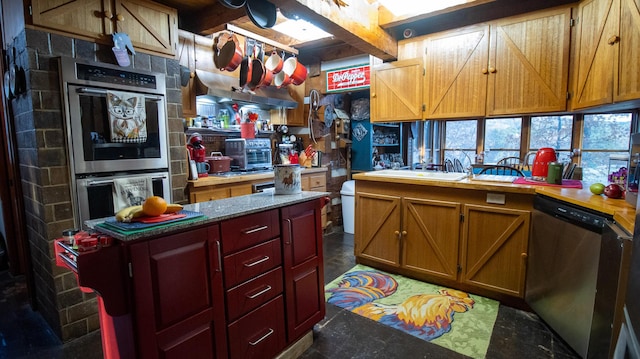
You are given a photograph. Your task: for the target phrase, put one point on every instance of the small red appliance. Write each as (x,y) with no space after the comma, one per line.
(541,163)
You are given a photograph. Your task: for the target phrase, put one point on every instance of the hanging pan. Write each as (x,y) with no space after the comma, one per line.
(233,4)
(262,13)
(227,53)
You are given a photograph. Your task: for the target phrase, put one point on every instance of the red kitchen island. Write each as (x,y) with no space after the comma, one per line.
(245,280)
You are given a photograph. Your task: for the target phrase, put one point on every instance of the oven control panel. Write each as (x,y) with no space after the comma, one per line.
(113,76)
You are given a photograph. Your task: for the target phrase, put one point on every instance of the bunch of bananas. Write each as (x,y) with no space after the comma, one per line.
(129,213)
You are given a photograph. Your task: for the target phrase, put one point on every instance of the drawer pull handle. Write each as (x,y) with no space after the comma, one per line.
(219,268)
(261,260)
(254,296)
(262,338)
(258,229)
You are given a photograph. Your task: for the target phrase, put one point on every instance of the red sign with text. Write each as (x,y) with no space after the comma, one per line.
(349,78)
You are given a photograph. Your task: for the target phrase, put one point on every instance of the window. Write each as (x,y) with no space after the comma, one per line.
(603,136)
(460,141)
(501,138)
(552,131)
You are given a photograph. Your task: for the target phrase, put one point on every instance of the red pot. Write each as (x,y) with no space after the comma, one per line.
(295,70)
(274,63)
(227,53)
(281,79)
(218,163)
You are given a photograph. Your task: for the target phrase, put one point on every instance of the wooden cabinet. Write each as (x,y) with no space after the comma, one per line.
(446,236)
(252,252)
(511,66)
(494,239)
(178,296)
(396,91)
(294,116)
(416,234)
(303,267)
(456,78)
(606,68)
(210,193)
(152,27)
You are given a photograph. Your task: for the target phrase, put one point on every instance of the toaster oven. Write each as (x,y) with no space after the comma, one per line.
(249,154)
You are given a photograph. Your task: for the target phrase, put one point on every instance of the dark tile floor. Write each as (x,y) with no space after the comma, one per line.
(342,334)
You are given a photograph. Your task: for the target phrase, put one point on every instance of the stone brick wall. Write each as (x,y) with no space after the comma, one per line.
(42,153)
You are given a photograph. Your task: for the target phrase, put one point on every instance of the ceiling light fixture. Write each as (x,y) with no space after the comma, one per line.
(301,30)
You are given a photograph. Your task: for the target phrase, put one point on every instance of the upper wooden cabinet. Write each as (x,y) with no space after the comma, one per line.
(396,91)
(606,68)
(511,66)
(529,63)
(455,84)
(152,27)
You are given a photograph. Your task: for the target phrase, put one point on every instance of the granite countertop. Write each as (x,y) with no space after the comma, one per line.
(622,212)
(218,210)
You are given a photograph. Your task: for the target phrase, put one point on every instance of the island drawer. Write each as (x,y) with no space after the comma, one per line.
(251,294)
(259,334)
(243,232)
(252,262)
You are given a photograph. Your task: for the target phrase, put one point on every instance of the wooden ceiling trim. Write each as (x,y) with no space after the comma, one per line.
(367,37)
(386,19)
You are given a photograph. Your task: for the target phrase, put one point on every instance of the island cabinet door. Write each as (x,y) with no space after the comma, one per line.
(430,237)
(494,248)
(303,267)
(377,228)
(178,296)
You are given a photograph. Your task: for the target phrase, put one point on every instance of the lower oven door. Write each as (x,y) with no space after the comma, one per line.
(95,194)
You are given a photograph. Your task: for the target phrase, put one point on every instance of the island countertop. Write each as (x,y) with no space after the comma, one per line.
(218,210)
(622,212)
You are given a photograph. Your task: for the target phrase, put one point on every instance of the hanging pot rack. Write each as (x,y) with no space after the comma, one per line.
(249,34)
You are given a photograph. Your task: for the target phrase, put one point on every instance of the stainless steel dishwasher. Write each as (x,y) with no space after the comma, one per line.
(573,272)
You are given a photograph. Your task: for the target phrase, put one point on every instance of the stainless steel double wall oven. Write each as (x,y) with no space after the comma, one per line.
(103,150)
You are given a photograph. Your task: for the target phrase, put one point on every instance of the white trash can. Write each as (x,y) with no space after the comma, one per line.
(348,194)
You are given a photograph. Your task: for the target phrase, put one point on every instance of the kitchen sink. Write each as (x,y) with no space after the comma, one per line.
(421,175)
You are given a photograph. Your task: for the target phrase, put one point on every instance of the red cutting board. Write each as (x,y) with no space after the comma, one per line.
(161,218)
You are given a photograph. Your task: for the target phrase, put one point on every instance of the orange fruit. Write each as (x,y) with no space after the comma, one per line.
(154,206)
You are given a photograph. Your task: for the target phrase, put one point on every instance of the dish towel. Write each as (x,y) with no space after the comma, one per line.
(566,183)
(131,191)
(127,117)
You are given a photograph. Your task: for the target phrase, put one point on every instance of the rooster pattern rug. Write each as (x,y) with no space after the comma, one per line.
(446,317)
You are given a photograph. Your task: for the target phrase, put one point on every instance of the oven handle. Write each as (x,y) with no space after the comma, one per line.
(102,182)
(104,93)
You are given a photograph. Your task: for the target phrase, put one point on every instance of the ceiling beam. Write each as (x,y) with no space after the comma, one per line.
(355,24)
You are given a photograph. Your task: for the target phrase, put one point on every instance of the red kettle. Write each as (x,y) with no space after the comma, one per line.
(541,163)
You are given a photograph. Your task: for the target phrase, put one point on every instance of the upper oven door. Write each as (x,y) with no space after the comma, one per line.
(122,131)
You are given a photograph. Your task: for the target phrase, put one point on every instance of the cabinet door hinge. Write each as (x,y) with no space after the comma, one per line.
(459,268)
(568,95)
(424,107)
(461,217)
(573,22)
(130,270)
(30,11)
(424,71)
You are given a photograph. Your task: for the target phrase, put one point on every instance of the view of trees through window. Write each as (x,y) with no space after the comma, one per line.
(501,138)
(602,137)
(460,141)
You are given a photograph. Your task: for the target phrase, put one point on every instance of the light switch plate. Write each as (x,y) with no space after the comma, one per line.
(496,198)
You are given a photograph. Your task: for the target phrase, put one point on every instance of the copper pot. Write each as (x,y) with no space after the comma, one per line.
(295,70)
(274,63)
(218,163)
(227,54)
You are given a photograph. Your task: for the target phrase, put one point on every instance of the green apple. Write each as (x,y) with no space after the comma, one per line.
(597,188)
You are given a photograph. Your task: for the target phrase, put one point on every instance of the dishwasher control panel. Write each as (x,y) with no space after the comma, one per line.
(570,212)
